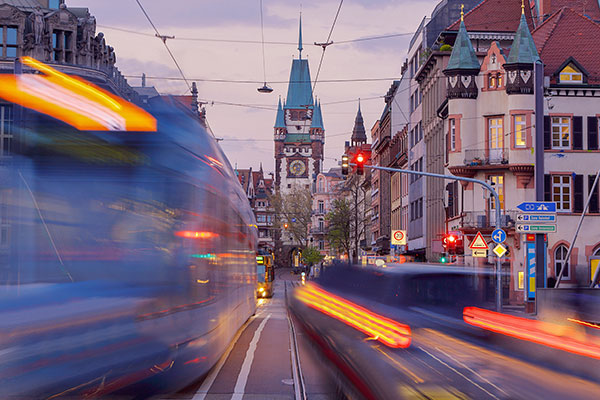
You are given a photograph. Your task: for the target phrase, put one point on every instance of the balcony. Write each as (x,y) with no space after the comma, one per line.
(317,231)
(475,158)
(483,220)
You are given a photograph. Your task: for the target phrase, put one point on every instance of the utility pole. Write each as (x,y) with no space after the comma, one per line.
(540,247)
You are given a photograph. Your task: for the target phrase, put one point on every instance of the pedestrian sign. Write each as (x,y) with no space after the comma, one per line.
(399,238)
(499,236)
(500,250)
(479,243)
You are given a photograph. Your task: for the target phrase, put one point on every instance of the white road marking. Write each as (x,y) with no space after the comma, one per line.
(240,385)
(207,383)
(459,373)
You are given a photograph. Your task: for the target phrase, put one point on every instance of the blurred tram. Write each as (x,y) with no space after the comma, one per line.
(127,259)
(265,275)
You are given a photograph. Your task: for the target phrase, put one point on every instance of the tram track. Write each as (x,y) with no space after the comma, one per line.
(297,376)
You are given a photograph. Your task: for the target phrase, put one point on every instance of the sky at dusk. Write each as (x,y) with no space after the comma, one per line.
(246,123)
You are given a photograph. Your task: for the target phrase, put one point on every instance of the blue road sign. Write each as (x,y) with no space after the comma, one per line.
(538,207)
(499,236)
(537,218)
(293,219)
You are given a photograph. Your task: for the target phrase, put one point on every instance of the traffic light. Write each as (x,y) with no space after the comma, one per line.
(453,243)
(344,164)
(360,163)
(444,259)
(285,225)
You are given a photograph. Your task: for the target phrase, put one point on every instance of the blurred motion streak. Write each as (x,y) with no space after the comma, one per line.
(196,235)
(74,101)
(584,323)
(539,332)
(387,331)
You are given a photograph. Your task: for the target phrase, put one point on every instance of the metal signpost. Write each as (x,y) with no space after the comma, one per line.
(479,182)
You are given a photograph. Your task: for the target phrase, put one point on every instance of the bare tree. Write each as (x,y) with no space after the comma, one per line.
(339,234)
(354,193)
(293,213)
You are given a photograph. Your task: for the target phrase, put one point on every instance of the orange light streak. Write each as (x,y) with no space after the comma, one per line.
(72,100)
(196,235)
(584,323)
(387,331)
(535,331)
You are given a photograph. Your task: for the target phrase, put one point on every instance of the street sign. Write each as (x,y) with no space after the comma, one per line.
(536,228)
(537,218)
(538,207)
(479,253)
(500,250)
(479,243)
(293,219)
(399,237)
(499,236)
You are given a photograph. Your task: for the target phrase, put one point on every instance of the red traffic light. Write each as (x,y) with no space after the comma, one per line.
(360,158)
(451,239)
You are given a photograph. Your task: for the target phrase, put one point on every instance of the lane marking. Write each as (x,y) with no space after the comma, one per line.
(212,376)
(240,385)
(459,373)
(397,363)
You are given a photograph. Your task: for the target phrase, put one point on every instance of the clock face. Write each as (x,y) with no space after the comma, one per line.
(297,167)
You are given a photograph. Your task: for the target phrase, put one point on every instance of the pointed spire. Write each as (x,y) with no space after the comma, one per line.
(300,37)
(358,132)
(463,55)
(317,119)
(260,169)
(279,120)
(523,50)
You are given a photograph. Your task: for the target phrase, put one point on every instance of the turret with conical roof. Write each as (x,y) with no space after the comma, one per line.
(359,135)
(317,117)
(521,60)
(463,66)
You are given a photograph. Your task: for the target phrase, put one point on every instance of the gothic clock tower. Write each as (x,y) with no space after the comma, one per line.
(299,132)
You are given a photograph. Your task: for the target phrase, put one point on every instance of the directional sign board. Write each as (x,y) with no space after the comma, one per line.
(499,236)
(536,218)
(399,237)
(479,253)
(500,250)
(536,228)
(479,243)
(537,207)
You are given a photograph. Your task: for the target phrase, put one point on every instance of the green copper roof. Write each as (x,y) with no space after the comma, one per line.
(280,120)
(296,138)
(300,37)
(317,120)
(299,93)
(523,50)
(463,56)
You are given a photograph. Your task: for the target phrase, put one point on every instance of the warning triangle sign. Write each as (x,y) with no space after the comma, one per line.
(479,243)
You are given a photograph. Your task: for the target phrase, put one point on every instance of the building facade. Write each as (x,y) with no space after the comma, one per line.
(327,189)
(491,133)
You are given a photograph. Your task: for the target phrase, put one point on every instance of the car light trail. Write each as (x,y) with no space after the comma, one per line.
(539,332)
(387,331)
(196,235)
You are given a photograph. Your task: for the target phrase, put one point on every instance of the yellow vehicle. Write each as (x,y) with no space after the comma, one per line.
(264,275)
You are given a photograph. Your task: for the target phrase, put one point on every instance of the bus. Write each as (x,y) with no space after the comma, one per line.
(265,275)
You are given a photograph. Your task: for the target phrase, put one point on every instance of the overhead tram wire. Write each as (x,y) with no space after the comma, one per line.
(264,88)
(324,45)
(164,40)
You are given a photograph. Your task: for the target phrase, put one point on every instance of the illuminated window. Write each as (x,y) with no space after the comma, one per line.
(8,41)
(561,192)
(6,134)
(452,134)
(560,259)
(570,75)
(491,81)
(499,80)
(561,132)
(497,181)
(520,129)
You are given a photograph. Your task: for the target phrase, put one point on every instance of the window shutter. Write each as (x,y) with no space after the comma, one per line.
(592,133)
(578,195)
(547,187)
(577,133)
(594,205)
(547,133)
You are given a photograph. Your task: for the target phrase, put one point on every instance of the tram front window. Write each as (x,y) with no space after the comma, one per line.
(260,271)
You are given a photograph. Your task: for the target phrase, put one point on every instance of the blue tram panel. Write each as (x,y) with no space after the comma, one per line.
(133,249)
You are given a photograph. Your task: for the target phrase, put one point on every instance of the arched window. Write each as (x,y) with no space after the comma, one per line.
(597,252)
(560,259)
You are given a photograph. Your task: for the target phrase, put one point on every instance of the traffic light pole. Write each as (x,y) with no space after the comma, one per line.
(460,178)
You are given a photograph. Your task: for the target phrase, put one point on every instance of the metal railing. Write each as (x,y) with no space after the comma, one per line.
(475,157)
(484,220)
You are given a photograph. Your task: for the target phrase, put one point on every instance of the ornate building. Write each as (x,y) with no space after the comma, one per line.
(299,131)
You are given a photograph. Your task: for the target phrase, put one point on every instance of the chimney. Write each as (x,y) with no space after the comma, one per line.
(545,9)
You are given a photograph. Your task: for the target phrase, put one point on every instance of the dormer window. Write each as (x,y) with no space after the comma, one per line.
(570,74)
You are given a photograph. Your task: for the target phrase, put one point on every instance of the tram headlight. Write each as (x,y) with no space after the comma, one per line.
(261,290)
